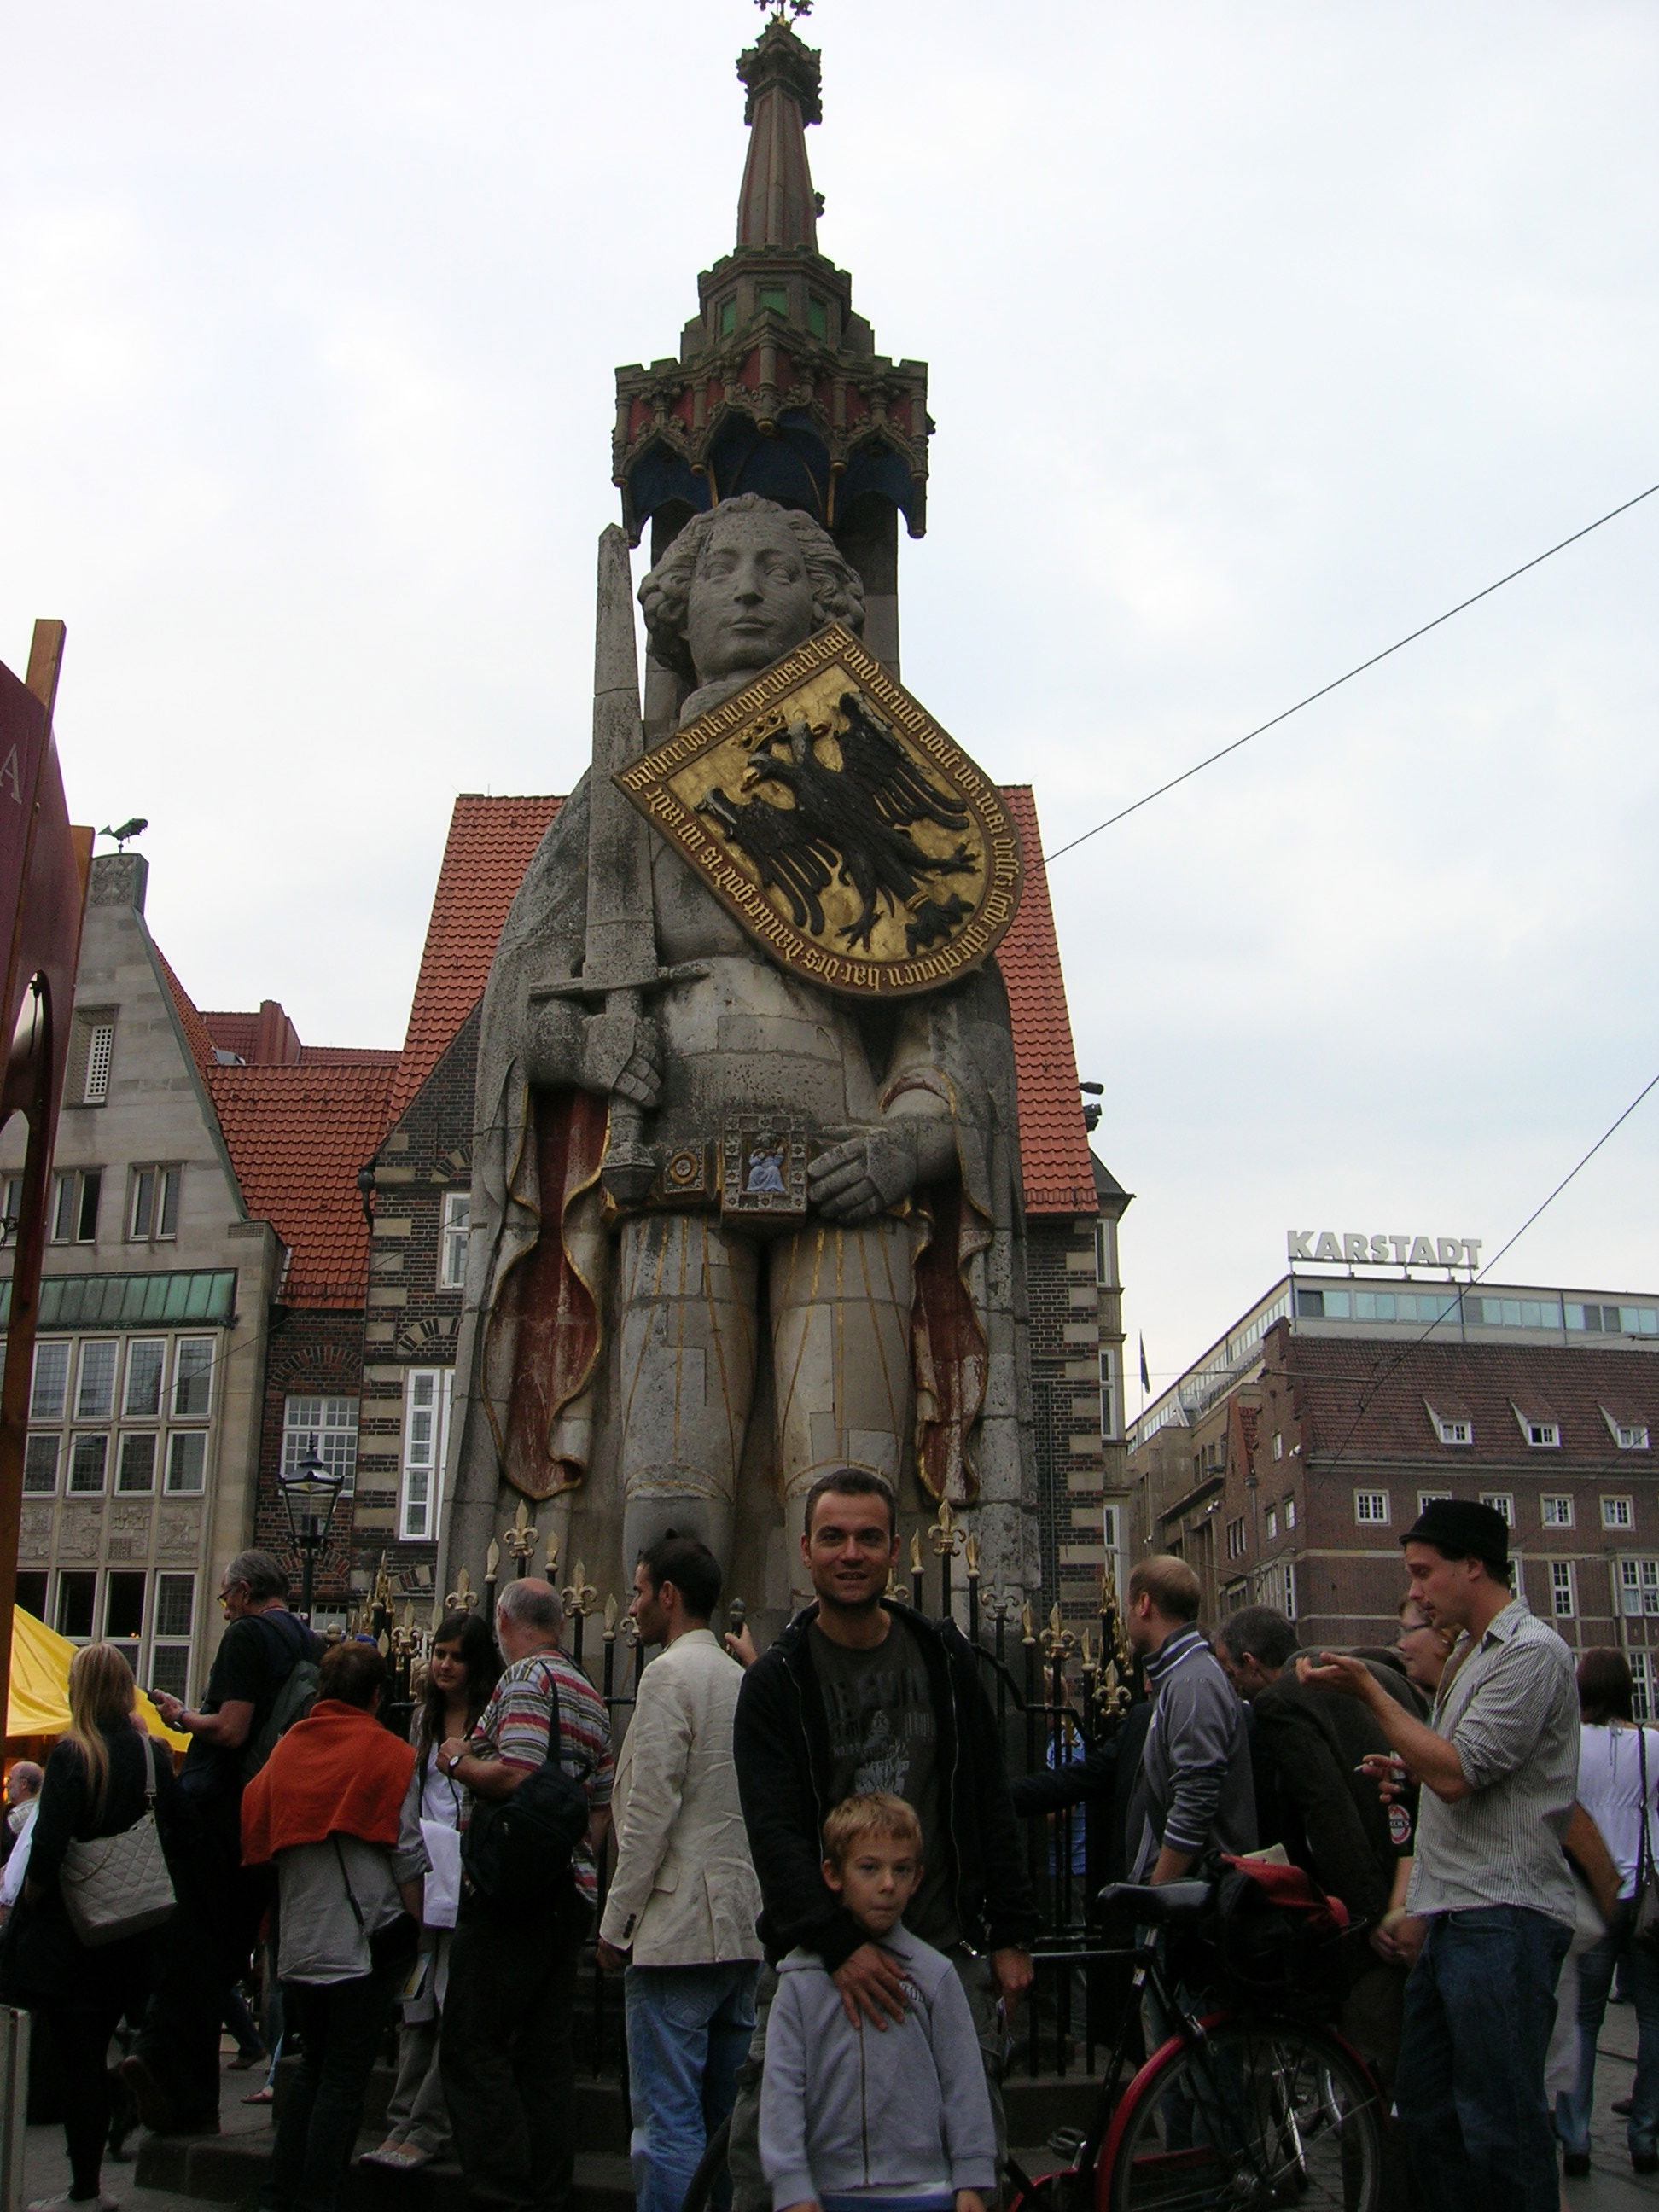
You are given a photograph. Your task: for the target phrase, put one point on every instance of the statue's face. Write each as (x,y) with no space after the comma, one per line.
(751,599)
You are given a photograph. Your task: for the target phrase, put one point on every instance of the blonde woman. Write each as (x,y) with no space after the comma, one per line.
(96,1783)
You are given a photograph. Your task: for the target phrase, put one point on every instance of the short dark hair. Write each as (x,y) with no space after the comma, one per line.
(854,1482)
(1258,1632)
(1605,1688)
(354,1673)
(689,1564)
(1170,1584)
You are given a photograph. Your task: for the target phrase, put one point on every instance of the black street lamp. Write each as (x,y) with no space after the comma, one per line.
(309,1491)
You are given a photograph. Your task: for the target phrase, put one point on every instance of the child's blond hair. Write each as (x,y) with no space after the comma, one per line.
(877,1813)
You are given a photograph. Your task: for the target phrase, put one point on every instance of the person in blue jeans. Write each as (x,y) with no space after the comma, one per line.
(681,1910)
(1490,1911)
(1618,1782)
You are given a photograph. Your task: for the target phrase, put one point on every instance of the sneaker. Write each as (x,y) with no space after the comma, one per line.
(155,2105)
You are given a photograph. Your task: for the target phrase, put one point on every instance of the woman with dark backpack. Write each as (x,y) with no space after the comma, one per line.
(104,1779)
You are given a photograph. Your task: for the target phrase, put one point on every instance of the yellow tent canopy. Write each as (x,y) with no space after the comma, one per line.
(40,1685)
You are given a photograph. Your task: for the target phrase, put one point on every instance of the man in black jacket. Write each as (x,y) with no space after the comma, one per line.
(1313,1797)
(859,1694)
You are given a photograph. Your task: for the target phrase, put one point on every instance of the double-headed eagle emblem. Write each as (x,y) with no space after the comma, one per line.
(839,824)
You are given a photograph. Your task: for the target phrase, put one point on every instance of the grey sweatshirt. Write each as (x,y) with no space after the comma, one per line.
(845,2107)
(1195,1787)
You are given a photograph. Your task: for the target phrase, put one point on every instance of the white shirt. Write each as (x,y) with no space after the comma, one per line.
(1610,1790)
(17,1866)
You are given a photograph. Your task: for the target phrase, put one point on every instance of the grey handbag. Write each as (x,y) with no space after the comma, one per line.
(114,1887)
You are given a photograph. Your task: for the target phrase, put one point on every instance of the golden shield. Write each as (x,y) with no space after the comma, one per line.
(852,838)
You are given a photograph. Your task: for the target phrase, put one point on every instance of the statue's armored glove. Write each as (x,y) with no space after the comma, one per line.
(622,1052)
(869,1170)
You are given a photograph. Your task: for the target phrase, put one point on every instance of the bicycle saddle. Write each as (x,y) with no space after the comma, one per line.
(1156,1905)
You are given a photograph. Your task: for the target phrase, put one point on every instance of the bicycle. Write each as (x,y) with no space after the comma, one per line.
(1236,2110)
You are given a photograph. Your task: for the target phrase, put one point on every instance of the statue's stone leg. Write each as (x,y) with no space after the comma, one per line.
(687,1367)
(841,1353)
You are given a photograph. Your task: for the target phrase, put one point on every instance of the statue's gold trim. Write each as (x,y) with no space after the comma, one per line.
(669,782)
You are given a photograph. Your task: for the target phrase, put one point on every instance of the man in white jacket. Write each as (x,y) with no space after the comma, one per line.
(683,1899)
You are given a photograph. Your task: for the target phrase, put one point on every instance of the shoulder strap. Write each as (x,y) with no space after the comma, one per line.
(1644,1868)
(555,1752)
(351,1895)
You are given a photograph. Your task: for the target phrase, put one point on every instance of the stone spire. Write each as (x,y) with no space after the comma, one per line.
(777,205)
(778,388)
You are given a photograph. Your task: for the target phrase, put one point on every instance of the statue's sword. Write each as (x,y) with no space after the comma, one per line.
(619,964)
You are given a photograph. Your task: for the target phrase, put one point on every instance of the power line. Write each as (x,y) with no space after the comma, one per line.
(1368,1394)
(1324,689)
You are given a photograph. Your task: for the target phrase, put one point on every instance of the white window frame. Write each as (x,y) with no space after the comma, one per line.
(1362,1500)
(66,1224)
(332,1420)
(1272,1524)
(127,1439)
(1427,1498)
(140,1413)
(185,1489)
(1618,1512)
(97,1410)
(452,1240)
(1563,1590)
(1111,1397)
(1502,1502)
(1290,1590)
(1454,1430)
(1562,1517)
(153,1202)
(33,1450)
(181,1345)
(1638,1588)
(1541,1435)
(1290,1511)
(50,1350)
(1628,1435)
(166,1641)
(1641,1675)
(74,1489)
(426,1393)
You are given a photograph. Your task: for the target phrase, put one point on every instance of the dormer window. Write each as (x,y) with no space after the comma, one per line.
(1629,1436)
(1453,1428)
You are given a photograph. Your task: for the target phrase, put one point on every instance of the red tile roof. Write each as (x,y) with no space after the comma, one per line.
(297,1137)
(491,843)
(1054,1145)
(197,1037)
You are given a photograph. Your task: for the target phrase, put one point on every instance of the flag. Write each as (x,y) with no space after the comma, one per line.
(1145,1379)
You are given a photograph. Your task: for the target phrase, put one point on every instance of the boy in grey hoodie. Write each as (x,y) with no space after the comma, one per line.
(857,2119)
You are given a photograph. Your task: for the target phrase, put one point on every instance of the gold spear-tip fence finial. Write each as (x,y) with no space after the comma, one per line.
(945,1536)
(463,1598)
(579,1596)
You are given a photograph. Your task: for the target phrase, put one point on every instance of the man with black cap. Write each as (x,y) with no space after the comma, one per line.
(1491,1897)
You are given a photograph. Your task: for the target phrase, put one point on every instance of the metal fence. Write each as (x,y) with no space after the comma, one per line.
(1057,1690)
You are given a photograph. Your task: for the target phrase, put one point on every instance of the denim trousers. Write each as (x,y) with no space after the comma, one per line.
(688,2030)
(1617,1949)
(1479,2008)
(339,2024)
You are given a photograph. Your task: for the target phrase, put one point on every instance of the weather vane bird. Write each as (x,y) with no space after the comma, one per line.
(785,11)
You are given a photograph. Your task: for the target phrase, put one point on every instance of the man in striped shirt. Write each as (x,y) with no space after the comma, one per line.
(506,2053)
(1490,1910)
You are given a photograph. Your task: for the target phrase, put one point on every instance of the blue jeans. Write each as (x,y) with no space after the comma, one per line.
(688,2030)
(1479,2008)
(1641,1978)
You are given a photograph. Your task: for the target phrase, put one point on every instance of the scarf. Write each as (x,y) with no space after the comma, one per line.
(335,1772)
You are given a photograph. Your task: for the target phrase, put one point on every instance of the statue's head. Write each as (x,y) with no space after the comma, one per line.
(743,584)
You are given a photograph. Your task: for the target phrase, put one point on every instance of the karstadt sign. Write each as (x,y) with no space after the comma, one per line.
(1351,1250)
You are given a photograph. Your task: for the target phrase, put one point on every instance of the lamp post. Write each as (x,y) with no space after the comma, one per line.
(309,1492)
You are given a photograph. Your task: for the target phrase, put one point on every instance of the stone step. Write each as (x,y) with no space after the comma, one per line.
(230,2169)
(600,2112)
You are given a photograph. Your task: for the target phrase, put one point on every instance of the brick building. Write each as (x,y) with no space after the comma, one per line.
(1286,1463)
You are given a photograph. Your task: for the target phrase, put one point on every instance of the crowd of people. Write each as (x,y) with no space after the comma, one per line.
(816,1847)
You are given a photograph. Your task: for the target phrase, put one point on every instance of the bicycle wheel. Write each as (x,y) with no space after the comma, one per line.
(1248,2118)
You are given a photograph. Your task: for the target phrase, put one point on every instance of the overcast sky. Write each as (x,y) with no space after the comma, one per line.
(1258,336)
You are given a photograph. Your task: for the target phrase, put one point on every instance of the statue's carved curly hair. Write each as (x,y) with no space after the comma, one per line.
(837,588)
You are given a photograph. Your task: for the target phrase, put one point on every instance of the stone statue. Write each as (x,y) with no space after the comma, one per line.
(655,1365)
